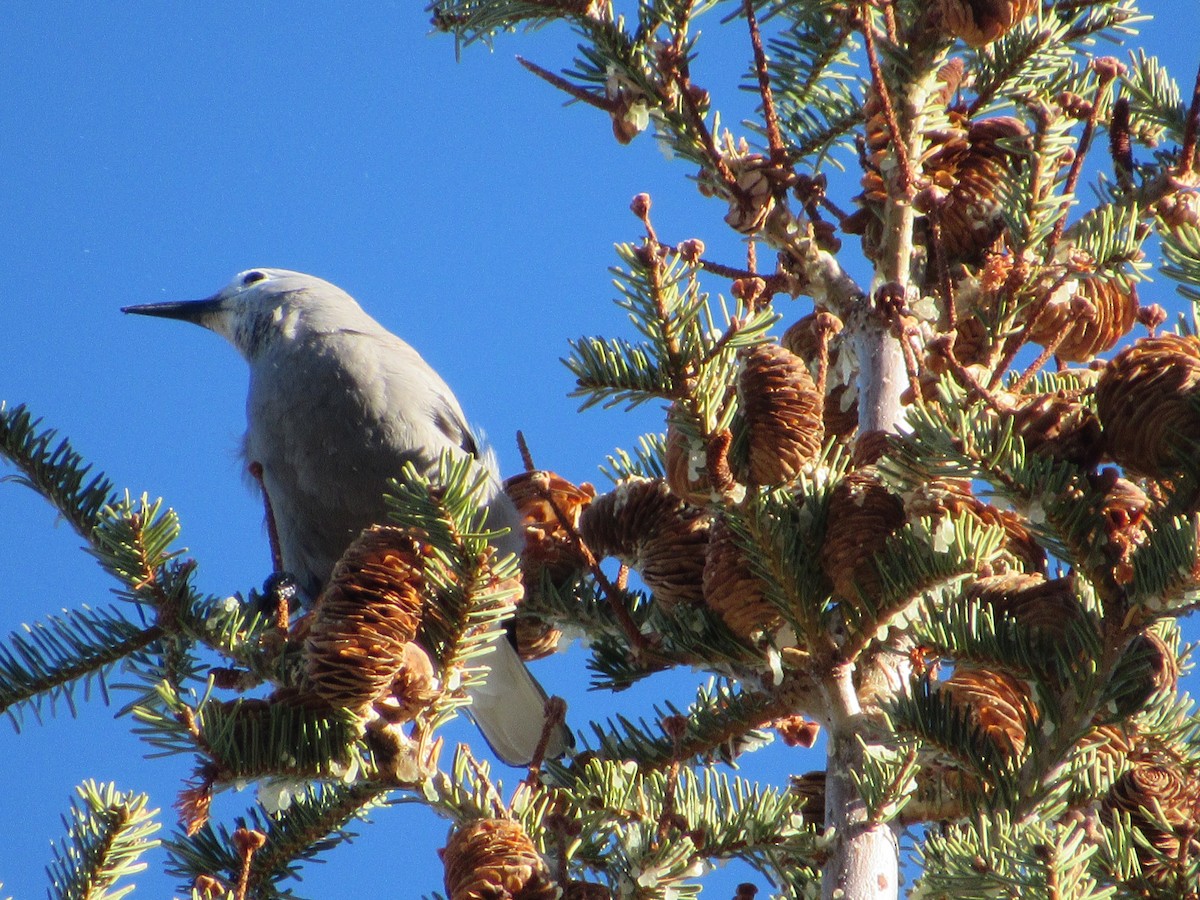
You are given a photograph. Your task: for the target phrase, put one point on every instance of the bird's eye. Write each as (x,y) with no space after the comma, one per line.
(252,277)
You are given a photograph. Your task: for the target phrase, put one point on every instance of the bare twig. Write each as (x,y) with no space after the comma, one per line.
(1191,132)
(907,176)
(770,115)
(944,347)
(1042,358)
(556,714)
(889,21)
(773,283)
(943,268)
(1121,144)
(526,456)
(562,84)
(1106,75)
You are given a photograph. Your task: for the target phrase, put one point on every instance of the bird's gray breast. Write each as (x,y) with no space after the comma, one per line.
(331,420)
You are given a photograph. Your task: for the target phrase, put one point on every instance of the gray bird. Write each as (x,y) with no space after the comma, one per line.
(337,406)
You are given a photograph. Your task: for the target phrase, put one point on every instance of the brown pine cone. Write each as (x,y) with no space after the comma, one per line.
(810,788)
(731,589)
(840,409)
(971,340)
(363,620)
(756,179)
(970,167)
(979,22)
(1048,607)
(998,703)
(647,527)
(1146,668)
(1163,803)
(1147,402)
(863,514)
(491,859)
(534,637)
(948,497)
(780,413)
(687,466)
(548,546)
(415,687)
(1058,426)
(550,550)
(1097,315)
(1123,508)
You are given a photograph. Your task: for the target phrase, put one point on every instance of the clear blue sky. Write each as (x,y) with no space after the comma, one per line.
(149,151)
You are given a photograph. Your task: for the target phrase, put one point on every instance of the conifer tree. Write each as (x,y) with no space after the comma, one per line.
(946,514)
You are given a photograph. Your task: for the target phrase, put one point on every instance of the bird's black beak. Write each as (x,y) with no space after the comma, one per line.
(198,312)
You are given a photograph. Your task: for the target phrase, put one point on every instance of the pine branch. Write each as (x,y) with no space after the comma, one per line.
(1031,858)
(719,725)
(817,90)
(1155,101)
(481,20)
(248,738)
(312,825)
(777,530)
(888,779)
(967,631)
(1171,723)
(647,461)
(1164,581)
(682,635)
(686,354)
(1112,237)
(1034,59)
(1060,506)
(107,832)
(132,541)
(54,658)
(1181,247)
(939,722)
(468,792)
(474,592)
(652,828)
(616,371)
(53,469)
(923,557)
(584,604)
(245,636)
(1029,203)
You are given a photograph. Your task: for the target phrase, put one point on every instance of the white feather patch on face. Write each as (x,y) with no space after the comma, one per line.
(288,320)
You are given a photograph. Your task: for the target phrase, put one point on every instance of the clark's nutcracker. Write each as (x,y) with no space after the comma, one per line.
(337,405)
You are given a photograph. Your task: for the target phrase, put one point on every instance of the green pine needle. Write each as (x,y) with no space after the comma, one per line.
(313,824)
(52,468)
(107,832)
(54,658)
(997,857)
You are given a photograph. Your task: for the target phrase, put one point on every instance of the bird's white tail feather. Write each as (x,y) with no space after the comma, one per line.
(509,708)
